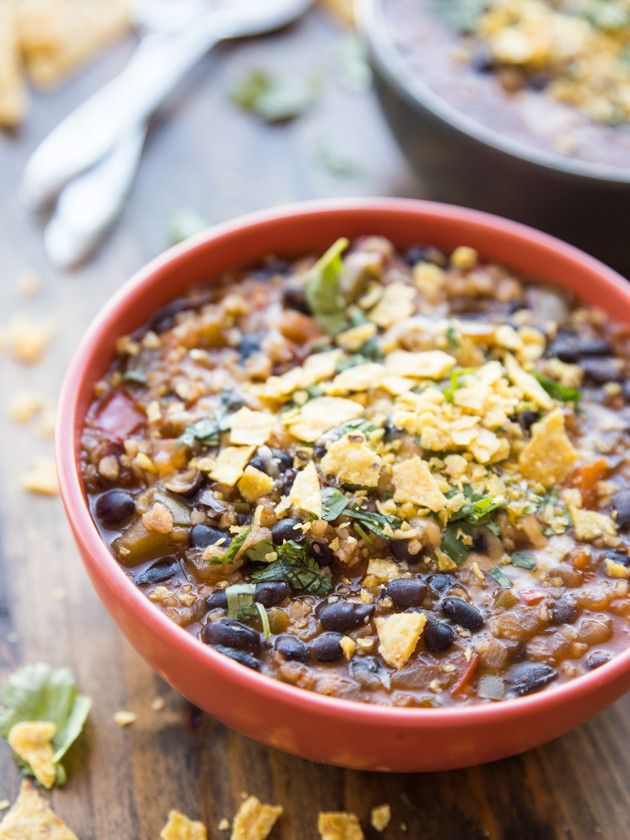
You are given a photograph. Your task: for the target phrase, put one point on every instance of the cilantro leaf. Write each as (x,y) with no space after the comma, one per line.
(275,100)
(236,545)
(478,510)
(296,568)
(334,502)
(207,431)
(359,425)
(184,223)
(238,596)
(452,337)
(324,293)
(375,522)
(524,560)
(460,15)
(558,391)
(134,377)
(36,692)
(501,578)
(452,543)
(257,553)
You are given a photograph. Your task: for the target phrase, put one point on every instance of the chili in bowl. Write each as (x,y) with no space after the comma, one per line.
(377,483)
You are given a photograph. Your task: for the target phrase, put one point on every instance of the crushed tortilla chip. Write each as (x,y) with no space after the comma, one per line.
(42,477)
(380,817)
(180,827)
(31,740)
(589,524)
(254,483)
(352,461)
(30,818)
(530,386)
(28,339)
(415,483)
(428,364)
(321,414)
(549,455)
(339,825)
(12,88)
(305,492)
(230,464)
(398,636)
(251,427)
(254,820)
(396,303)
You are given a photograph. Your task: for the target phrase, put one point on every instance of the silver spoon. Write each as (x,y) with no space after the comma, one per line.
(93,129)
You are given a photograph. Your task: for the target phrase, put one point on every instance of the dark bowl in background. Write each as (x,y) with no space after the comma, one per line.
(461,161)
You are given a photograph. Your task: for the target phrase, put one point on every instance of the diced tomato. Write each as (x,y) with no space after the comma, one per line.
(119,417)
(466,675)
(585,480)
(531,596)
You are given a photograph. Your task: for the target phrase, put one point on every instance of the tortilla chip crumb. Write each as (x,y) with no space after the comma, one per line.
(254,820)
(28,339)
(32,742)
(29,283)
(30,817)
(12,88)
(339,825)
(380,817)
(125,717)
(59,594)
(42,477)
(25,406)
(157,704)
(223,824)
(4,804)
(180,827)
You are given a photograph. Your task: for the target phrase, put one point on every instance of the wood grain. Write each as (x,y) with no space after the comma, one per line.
(205,154)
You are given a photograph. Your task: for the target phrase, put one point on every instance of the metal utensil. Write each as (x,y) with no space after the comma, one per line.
(91,131)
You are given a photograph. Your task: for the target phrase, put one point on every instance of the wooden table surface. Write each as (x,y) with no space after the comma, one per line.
(205,154)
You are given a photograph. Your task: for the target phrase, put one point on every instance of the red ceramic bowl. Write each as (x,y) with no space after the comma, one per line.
(322,728)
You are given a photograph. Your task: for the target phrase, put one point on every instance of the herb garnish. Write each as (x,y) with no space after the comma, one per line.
(134,377)
(558,391)
(184,223)
(207,431)
(275,100)
(296,568)
(501,578)
(335,503)
(524,560)
(39,693)
(242,604)
(478,509)
(461,15)
(453,542)
(235,546)
(324,293)
(258,553)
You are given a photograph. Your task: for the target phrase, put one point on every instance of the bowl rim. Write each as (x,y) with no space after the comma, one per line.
(376,31)
(67,448)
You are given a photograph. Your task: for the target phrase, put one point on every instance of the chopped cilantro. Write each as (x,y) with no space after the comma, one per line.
(452,337)
(238,596)
(257,553)
(456,376)
(461,15)
(207,430)
(478,510)
(134,377)
(351,64)
(337,164)
(37,692)
(264,619)
(361,424)
(368,539)
(324,293)
(296,568)
(334,502)
(501,578)
(558,391)
(452,543)
(235,546)
(375,522)
(275,100)
(184,223)
(524,560)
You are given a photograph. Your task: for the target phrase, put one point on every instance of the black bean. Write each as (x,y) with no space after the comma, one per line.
(285,461)
(538,81)
(287,483)
(400,551)
(483,62)
(239,656)
(602,370)
(616,555)
(463,613)
(597,658)
(344,615)
(186,484)
(621,506)
(626,390)
(441,583)
(164,570)
(438,635)
(201,536)
(390,432)
(563,611)
(272,592)
(292,648)
(231,634)
(271,269)
(293,297)
(595,347)
(424,253)
(115,507)
(565,347)
(320,551)
(213,507)
(327,647)
(480,541)
(527,418)
(248,346)
(368,671)
(406,592)
(287,529)
(527,677)
(217,600)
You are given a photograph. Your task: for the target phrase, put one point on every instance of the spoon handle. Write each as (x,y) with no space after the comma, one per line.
(91,130)
(91,203)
